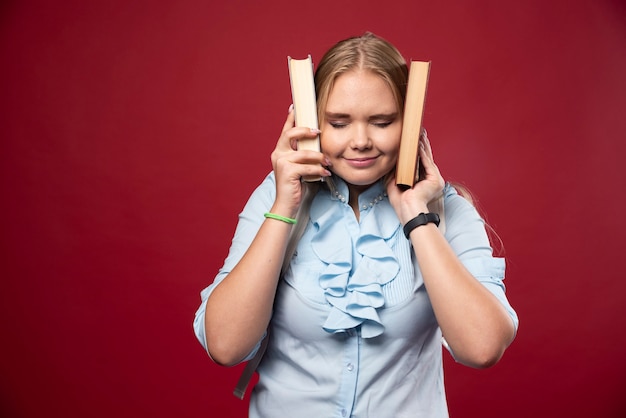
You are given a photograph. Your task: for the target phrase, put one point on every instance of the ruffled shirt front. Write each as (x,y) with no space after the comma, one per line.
(356,267)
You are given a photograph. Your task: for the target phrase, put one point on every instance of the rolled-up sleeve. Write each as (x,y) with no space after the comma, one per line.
(466,233)
(490,272)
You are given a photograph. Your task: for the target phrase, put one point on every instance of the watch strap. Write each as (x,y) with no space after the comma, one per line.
(419,220)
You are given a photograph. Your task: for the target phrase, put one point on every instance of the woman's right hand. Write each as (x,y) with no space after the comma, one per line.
(291,164)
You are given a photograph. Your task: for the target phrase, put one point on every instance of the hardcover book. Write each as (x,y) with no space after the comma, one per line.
(304,102)
(407,170)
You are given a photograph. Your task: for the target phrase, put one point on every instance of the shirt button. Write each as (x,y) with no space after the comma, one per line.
(350,367)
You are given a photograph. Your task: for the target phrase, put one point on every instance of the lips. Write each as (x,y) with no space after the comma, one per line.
(361,162)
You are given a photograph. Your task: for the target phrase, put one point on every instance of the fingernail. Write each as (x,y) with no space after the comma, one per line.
(327,161)
(316,131)
(290,108)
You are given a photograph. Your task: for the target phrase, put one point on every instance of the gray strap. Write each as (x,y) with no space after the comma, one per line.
(248,371)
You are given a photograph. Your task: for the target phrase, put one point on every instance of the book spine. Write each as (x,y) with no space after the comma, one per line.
(408,156)
(301,77)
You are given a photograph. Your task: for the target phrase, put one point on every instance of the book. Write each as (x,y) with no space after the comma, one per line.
(407,168)
(304,102)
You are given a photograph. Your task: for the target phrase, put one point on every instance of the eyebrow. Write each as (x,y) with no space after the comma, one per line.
(332,115)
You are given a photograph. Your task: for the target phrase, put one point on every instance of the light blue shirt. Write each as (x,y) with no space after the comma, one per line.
(353,333)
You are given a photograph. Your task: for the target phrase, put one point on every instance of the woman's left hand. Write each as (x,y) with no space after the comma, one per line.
(410,203)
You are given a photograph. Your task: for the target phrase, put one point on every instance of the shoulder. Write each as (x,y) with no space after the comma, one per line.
(462,218)
(269,180)
(455,203)
(265,193)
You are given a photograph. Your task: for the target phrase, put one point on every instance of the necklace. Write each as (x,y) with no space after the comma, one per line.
(374,201)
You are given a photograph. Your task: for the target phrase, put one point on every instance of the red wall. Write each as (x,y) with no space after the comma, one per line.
(133,132)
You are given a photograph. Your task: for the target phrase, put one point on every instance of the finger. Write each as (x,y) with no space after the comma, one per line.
(299,157)
(295,134)
(291,119)
(425,143)
(426,156)
(431,170)
(427,161)
(307,157)
(314,170)
(295,170)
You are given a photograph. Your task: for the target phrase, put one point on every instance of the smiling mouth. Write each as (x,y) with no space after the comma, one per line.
(361,162)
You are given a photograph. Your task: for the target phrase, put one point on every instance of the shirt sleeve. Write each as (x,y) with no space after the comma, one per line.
(250,220)
(466,233)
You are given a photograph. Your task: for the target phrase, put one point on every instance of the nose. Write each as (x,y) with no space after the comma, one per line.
(360,137)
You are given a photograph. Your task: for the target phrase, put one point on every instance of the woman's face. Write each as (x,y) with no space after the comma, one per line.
(361,129)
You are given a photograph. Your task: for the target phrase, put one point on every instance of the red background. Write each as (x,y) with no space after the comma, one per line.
(133,132)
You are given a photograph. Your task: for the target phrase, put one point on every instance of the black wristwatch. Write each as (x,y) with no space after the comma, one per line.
(419,220)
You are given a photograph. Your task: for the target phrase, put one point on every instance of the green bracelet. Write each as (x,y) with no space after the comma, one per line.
(280,218)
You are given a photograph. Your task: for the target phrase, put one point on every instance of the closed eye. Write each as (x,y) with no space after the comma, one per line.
(342,120)
(337,120)
(383,120)
(338,125)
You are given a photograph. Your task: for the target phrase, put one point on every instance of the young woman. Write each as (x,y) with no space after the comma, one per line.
(351,281)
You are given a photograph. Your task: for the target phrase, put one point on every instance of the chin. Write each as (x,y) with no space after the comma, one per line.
(360,181)
(364,181)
